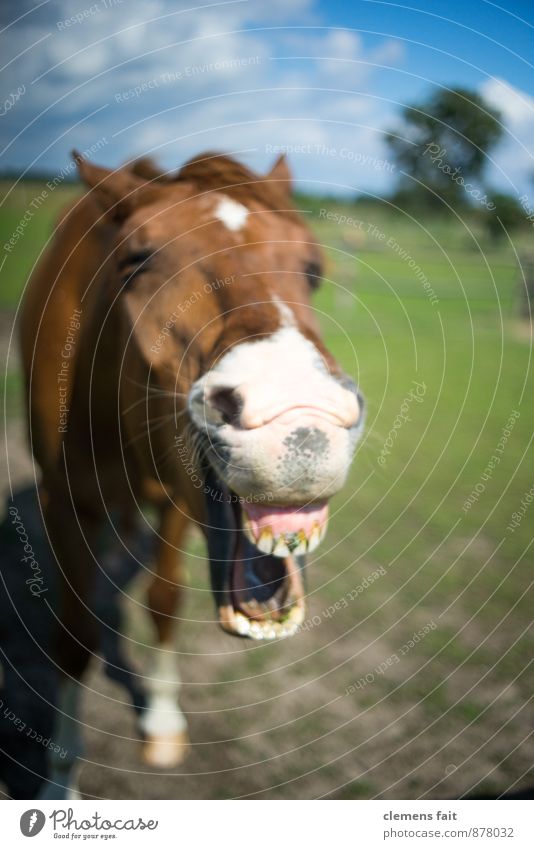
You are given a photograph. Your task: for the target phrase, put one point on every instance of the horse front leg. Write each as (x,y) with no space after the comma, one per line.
(72,533)
(163,724)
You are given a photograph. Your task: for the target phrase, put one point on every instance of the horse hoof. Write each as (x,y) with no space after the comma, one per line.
(168,751)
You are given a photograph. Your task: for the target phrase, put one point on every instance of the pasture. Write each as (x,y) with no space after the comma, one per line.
(412,677)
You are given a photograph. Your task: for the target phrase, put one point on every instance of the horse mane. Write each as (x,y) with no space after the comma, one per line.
(216,171)
(219,172)
(146,168)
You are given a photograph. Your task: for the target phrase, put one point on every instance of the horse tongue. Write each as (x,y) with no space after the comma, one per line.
(281,530)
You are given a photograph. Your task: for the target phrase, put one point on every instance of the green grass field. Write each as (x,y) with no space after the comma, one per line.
(463,569)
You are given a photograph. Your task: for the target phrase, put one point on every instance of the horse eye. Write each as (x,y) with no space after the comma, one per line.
(314,273)
(133,265)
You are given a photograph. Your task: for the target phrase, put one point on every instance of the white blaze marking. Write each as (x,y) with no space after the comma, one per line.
(232,214)
(285,353)
(163,715)
(286,313)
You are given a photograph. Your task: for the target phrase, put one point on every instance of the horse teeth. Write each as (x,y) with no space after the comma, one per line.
(296,615)
(276,630)
(247,530)
(280,548)
(267,630)
(302,544)
(283,546)
(242,624)
(265,541)
(315,537)
(287,629)
(256,631)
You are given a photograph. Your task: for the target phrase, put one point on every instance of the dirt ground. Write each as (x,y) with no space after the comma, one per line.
(292,734)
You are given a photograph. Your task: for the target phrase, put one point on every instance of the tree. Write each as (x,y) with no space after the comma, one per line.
(443,143)
(507,214)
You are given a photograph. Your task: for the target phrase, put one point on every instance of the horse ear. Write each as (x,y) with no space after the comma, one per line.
(118,191)
(281,173)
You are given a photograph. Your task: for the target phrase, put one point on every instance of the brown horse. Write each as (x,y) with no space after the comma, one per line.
(172,356)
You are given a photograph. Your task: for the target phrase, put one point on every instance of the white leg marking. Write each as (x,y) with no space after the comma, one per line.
(163,722)
(163,715)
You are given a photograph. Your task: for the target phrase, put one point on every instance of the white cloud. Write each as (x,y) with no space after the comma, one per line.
(513,159)
(276,99)
(390,52)
(515,105)
(272,100)
(268,99)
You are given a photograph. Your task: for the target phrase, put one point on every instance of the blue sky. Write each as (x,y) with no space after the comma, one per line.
(324,79)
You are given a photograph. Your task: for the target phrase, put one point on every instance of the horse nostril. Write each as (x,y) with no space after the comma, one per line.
(228,402)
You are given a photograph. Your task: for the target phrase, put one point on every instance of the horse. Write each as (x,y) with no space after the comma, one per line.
(172,358)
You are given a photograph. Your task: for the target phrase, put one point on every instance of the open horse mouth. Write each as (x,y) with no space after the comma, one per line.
(256,556)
